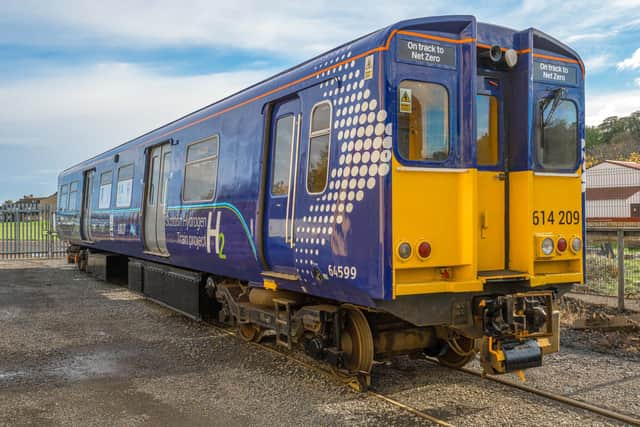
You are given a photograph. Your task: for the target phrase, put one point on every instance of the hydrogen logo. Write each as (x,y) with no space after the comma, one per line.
(218,235)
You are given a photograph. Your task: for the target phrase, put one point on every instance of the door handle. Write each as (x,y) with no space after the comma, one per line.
(501,176)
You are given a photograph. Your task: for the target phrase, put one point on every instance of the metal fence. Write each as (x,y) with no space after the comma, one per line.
(29,233)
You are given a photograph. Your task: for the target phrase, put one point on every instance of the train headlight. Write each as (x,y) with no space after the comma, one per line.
(547,246)
(576,244)
(562,244)
(511,58)
(404,250)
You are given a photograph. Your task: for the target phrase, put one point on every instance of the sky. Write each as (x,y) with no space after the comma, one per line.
(79,77)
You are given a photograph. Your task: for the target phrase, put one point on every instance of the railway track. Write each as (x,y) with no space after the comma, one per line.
(603,412)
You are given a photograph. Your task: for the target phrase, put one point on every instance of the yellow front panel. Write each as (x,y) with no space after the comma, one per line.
(437,206)
(491,211)
(545,206)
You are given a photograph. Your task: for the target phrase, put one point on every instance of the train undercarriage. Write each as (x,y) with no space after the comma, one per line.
(509,332)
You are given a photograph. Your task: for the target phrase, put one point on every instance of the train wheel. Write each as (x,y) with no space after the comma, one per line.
(356,341)
(247,331)
(459,351)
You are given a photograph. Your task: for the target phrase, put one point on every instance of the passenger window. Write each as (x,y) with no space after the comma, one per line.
(104,198)
(319,137)
(487,130)
(73,195)
(557,136)
(124,187)
(201,170)
(281,166)
(423,121)
(63,198)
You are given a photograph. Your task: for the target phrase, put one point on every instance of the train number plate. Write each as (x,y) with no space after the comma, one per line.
(561,217)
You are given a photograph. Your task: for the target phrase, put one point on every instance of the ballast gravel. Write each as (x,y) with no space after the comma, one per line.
(76,351)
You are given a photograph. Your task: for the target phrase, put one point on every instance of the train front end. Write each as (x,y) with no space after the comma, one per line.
(486,205)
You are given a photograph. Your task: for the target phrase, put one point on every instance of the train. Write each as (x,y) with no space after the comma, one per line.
(416,191)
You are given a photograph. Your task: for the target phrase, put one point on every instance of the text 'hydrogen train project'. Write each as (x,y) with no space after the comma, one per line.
(417,190)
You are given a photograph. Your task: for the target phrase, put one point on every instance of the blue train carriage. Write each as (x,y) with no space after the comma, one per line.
(416,190)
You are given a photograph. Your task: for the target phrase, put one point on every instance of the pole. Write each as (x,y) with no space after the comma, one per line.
(620,270)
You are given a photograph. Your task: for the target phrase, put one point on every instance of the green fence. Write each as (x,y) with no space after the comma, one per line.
(29,233)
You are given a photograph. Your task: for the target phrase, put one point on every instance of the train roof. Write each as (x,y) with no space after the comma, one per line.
(484,33)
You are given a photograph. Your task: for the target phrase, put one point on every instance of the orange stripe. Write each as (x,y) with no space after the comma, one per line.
(430,37)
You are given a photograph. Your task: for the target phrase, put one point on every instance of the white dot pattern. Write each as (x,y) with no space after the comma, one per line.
(363,137)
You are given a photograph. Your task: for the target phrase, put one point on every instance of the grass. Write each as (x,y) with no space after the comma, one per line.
(25,230)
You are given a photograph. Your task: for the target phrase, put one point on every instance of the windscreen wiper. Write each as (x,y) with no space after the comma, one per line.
(554,98)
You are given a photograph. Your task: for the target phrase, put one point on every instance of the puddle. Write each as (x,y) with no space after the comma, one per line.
(89,366)
(120,295)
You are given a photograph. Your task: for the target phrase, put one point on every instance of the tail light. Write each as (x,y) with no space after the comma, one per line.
(424,250)
(562,244)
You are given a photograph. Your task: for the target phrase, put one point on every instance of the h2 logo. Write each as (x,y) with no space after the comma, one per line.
(217,234)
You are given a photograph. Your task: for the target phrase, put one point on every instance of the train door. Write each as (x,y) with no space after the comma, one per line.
(156,185)
(87,200)
(280,189)
(492,176)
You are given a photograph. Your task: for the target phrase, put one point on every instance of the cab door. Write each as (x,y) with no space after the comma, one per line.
(492,176)
(280,188)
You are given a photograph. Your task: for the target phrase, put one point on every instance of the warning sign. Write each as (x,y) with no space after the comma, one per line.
(368,67)
(405,100)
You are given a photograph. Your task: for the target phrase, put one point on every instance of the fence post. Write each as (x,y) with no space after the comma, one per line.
(620,270)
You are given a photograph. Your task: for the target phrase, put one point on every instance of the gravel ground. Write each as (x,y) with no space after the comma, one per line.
(75,351)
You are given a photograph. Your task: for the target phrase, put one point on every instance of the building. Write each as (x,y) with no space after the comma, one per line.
(28,208)
(613,190)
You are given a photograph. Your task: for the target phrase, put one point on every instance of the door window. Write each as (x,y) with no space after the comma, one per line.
(281,167)
(487,130)
(423,121)
(319,137)
(155,176)
(166,171)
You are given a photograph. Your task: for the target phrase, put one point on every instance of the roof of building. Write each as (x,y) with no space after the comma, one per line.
(632,165)
(611,193)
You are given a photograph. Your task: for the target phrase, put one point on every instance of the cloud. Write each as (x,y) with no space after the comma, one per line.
(58,119)
(630,63)
(637,82)
(296,29)
(603,105)
(589,36)
(598,63)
